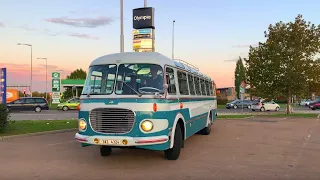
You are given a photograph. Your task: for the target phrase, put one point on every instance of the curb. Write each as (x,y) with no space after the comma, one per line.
(249,117)
(36,134)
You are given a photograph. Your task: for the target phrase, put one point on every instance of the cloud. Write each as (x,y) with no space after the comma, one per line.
(81,22)
(51,33)
(27,28)
(245,45)
(85,36)
(1,24)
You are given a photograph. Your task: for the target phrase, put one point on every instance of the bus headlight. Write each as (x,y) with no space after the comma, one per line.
(147,125)
(82,124)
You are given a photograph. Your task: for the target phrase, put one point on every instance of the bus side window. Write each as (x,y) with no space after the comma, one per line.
(209,91)
(170,81)
(197,85)
(203,87)
(210,88)
(213,86)
(191,84)
(183,83)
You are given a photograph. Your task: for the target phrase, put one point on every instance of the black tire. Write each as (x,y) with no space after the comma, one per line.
(37,109)
(174,152)
(206,130)
(105,151)
(253,110)
(65,108)
(235,107)
(262,109)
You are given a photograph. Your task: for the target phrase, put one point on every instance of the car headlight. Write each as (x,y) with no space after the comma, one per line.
(82,124)
(147,125)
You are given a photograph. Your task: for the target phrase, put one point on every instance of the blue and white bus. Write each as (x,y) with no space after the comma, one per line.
(144,100)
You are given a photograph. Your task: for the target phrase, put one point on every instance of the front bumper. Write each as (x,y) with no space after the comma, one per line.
(131,141)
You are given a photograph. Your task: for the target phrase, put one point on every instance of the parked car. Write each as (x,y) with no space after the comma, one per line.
(315,105)
(70,104)
(239,104)
(312,104)
(304,102)
(36,104)
(262,105)
(308,104)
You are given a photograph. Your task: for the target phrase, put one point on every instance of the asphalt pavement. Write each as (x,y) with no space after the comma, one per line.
(73,114)
(44,115)
(257,148)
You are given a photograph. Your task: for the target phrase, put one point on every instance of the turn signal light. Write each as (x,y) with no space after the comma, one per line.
(78,107)
(181,105)
(155,107)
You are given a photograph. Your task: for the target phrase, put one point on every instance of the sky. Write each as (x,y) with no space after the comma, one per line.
(209,34)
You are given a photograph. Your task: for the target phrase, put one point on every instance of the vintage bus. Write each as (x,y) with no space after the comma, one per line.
(144,100)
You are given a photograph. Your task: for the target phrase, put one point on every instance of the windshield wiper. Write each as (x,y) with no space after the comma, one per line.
(139,94)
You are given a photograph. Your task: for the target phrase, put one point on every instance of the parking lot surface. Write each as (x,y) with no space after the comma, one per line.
(256,148)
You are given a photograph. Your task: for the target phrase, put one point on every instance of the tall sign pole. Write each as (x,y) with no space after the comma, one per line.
(121,27)
(56,87)
(144,30)
(3,86)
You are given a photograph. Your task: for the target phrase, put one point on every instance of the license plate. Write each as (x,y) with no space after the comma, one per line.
(114,142)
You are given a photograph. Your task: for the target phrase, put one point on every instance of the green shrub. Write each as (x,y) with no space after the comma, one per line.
(222,101)
(4,117)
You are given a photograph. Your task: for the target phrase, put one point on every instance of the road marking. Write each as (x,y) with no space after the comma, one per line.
(283,118)
(54,144)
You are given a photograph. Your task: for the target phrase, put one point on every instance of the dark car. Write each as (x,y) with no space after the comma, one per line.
(239,104)
(36,104)
(315,105)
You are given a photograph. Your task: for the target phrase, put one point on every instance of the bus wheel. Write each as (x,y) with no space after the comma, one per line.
(105,151)
(207,130)
(174,153)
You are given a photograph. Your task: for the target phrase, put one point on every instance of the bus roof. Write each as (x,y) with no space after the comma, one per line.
(145,57)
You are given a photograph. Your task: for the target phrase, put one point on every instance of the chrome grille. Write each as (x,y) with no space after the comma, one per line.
(111,120)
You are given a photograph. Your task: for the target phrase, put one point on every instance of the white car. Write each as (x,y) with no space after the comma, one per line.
(265,106)
(305,102)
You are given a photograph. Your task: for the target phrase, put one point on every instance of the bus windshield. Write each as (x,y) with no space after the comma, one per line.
(141,78)
(100,80)
(131,79)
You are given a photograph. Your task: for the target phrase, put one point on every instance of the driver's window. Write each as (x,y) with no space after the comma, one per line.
(170,81)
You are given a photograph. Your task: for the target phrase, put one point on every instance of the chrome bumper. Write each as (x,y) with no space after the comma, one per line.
(130,141)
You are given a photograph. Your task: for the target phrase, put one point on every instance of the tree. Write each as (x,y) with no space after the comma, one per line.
(239,76)
(282,65)
(77,74)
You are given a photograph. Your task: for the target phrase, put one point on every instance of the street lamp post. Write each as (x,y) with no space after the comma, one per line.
(173,38)
(121,27)
(46,76)
(145,3)
(31,66)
